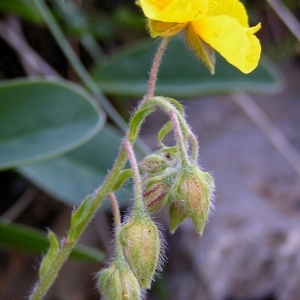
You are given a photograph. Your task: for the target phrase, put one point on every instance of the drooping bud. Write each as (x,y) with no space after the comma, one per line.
(177,214)
(141,246)
(157,190)
(117,282)
(155,196)
(153,163)
(195,188)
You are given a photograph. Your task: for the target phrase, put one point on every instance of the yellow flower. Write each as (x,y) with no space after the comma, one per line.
(220,25)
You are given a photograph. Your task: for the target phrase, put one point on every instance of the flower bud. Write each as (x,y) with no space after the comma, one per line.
(194,188)
(155,194)
(153,163)
(177,214)
(117,282)
(141,247)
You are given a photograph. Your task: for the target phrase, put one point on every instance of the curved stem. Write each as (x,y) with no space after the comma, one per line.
(117,218)
(169,107)
(115,208)
(155,67)
(138,194)
(179,139)
(68,244)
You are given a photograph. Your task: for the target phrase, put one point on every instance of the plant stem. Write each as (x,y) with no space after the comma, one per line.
(116,212)
(68,244)
(168,107)
(115,208)
(179,139)
(155,67)
(138,194)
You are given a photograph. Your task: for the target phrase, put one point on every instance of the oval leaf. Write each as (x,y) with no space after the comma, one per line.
(40,119)
(72,176)
(126,73)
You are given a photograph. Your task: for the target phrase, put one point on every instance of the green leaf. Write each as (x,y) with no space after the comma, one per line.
(123,176)
(126,73)
(23,8)
(137,121)
(25,239)
(72,176)
(50,255)
(78,219)
(40,119)
(163,132)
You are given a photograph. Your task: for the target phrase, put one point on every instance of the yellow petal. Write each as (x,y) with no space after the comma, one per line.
(164,29)
(178,11)
(231,8)
(236,44)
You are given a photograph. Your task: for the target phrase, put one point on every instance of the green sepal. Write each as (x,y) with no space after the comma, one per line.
(202,50)
(163,132)
(50,255)
(79,217)
(122,177)
(177,214)
(137,121)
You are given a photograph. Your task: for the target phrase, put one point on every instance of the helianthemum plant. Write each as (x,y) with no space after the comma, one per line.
(170,177)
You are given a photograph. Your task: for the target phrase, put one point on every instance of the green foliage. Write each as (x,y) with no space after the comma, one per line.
(72,176)
(50,255)
(23,8)
(40,119)
(21,238)
(126,73)
(137,120)
(123,176)
(163,132)
(79,216)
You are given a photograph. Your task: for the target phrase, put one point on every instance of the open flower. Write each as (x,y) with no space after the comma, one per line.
(220,25)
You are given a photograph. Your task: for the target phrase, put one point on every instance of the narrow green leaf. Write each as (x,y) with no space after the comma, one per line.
(180,74)
(22,238)
(137,121)
(40,119)
(123,176)
(163,132)
(50,255)
(79,216)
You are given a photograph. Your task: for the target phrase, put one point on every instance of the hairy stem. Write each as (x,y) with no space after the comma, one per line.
(179,138)
(116,210)
(138,195)
(155,67)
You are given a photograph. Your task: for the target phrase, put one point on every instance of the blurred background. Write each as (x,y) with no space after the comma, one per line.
(248,129)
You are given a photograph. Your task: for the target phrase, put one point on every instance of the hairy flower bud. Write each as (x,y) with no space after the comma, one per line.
(177,214)
(141,247)
(153,163)
(157,190)
(194,188)
(117,282)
